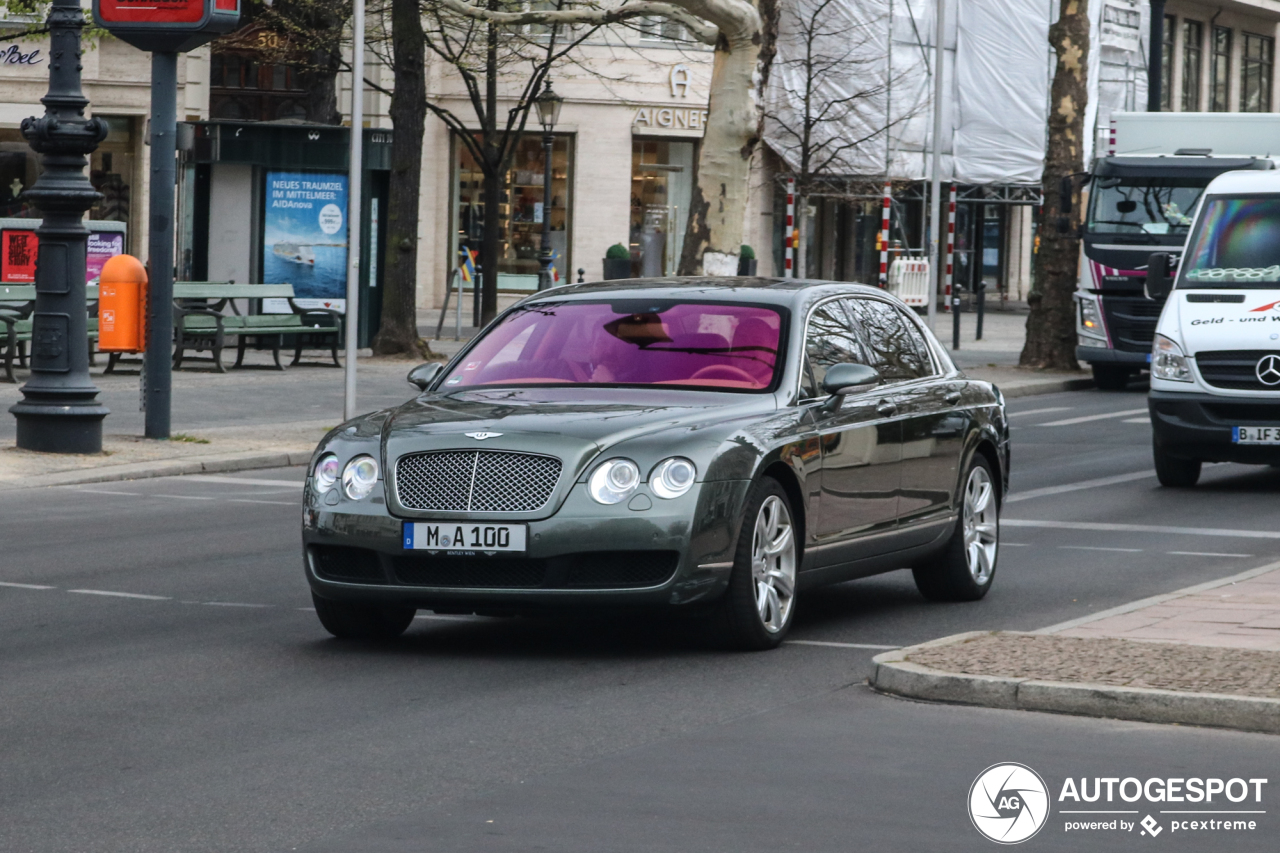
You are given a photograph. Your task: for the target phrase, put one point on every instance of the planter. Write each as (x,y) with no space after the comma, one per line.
(615,268)
(747,267)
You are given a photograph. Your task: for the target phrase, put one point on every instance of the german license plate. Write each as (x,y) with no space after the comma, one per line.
(1255,435)
(458,536)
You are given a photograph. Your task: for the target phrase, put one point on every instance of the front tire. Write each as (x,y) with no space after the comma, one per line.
(965,568)
(349,621)
(758,608)
(1108,377)
(1172,472)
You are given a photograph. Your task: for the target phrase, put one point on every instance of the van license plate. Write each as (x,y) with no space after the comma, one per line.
(1255,435)
(470,537)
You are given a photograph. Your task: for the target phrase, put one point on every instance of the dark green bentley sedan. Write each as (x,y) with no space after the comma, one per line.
(717,446)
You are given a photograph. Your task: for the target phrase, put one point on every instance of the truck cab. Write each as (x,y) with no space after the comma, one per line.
(1215,368)
(1138,204)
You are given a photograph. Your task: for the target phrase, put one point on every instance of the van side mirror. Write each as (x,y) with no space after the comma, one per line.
(842,379)
(424,374)
(1159,279)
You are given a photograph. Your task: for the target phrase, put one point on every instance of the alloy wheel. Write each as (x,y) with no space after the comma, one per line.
(773,563)
(981,525)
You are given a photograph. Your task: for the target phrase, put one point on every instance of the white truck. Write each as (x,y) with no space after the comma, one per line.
(1141,200)
(1215,368)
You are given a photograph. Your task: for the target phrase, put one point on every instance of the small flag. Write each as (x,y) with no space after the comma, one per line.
(468,264)
(555,273)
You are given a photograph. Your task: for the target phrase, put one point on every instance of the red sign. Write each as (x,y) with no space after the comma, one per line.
(18,257)
(151,11)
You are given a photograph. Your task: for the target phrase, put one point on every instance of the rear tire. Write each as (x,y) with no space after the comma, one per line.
(759,607)
(1108,377)
(967,565)
(349,621)
(1172,472)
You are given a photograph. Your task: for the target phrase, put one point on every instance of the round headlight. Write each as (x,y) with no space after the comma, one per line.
(672,477)
(359,477)
(613,481)
(326,473)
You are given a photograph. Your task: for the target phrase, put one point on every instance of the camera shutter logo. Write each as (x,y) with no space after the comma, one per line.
(1008,803)
(1268,370)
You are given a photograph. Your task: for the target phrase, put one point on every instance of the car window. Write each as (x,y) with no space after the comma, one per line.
(894,345)
(833,337)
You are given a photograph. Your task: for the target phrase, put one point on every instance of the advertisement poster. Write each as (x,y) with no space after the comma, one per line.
(103,245)
(17,256)
(304,240)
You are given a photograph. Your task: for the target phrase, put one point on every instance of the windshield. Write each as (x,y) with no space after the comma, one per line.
(654,342)
(1236,244)
(1143,206)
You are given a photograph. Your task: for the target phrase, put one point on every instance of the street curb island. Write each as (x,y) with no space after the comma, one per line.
(896,675)
(214,463)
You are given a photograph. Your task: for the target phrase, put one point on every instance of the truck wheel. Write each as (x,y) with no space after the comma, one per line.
(1108,377)
(1172,472)
(965,568)
(349,621)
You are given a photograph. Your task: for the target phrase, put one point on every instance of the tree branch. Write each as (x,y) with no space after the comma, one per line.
(700,29)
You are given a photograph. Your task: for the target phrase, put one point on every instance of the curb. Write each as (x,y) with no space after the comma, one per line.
(220,463)
(894,674)
(1054,387)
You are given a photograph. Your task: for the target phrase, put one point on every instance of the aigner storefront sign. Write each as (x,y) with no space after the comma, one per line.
(670,118)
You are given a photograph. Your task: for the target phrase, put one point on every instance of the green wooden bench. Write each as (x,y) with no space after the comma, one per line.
(201,320)
(17,302)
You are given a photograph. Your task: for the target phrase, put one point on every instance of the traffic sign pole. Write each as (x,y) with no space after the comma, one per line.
(158,362)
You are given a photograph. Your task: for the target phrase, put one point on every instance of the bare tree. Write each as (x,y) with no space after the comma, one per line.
(1051,325)
(826,99)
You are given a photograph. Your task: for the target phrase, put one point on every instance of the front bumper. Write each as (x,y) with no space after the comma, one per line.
(676,552)
(1192,425)
(1106,355)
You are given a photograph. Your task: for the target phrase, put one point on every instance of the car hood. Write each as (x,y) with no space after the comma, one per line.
(1247,325)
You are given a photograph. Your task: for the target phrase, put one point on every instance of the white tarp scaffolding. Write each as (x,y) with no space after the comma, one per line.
(998,70)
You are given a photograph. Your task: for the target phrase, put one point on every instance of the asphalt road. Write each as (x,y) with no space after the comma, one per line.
(164,685)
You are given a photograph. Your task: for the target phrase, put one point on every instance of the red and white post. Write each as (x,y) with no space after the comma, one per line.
(789,236)
(1111,143)
(884,234)
(951,247)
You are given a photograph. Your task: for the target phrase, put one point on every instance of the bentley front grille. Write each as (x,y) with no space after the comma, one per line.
(476,481)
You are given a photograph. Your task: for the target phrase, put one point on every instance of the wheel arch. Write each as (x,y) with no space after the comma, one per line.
(786,477)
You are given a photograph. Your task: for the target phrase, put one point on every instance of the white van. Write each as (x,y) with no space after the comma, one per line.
(1215,362)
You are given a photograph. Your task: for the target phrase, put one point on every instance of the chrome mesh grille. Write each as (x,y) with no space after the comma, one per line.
(476,481)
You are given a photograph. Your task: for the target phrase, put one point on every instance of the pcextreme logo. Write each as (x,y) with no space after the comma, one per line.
(1008,803)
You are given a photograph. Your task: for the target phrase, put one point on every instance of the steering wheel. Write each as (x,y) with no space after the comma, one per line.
(724,371)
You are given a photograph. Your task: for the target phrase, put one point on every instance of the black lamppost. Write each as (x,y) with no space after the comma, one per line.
(548,104)
(59,412)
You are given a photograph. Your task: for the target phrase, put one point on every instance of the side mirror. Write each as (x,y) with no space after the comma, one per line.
(1159,280)
(842,379)
(424,374)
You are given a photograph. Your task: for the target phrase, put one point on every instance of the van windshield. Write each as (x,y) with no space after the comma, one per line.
(1236,244)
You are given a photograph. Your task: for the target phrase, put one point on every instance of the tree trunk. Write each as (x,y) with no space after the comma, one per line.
(1051,326)
(399,330)
(320,85)
(713,238)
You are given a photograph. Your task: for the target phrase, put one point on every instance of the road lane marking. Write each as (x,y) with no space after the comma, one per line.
(1157,599)
(1205,554)
(837,645)
(1041,411)
(1141,528)
(240,481)
(232,604)
(1078,486)
(120,594)
(26,585)
(1145,420)
(104,492)
(185,497)
(252,501)
(1086,418)
(1015,544)
(1098,548)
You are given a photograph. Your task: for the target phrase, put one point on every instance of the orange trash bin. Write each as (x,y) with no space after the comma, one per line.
(122,305)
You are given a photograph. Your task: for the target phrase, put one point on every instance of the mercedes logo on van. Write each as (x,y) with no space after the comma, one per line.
(1268,370)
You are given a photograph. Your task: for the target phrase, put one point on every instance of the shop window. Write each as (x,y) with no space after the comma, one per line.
(661,190)
(112,170)
(1192,52)
(521,207)
(1220,70)
(1257,60)
(19,166)
(1166,63)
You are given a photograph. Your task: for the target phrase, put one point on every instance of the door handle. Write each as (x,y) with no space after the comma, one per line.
(951,397)
(886,408)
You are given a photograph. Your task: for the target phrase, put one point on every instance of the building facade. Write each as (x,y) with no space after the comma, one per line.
(1219,57)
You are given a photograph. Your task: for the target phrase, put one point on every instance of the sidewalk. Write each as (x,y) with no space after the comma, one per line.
(1207,655)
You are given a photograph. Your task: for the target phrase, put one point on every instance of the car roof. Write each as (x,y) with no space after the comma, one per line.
(780,291)
(1244,183)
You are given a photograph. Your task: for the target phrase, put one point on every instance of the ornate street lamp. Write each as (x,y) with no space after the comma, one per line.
(59,412)
(548,104)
